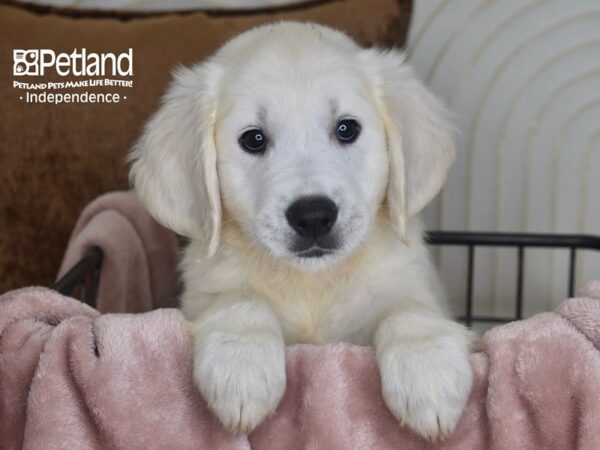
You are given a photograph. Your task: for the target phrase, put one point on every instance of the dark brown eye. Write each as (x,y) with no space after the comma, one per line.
(347,131)
(253,141)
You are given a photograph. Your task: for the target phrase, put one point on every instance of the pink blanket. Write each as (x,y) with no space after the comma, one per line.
(139,269)
(73,378)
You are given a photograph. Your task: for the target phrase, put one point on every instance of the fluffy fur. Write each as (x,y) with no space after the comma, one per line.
(247,293)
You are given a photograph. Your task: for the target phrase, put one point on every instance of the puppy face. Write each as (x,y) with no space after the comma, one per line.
(301,136)
(301,155)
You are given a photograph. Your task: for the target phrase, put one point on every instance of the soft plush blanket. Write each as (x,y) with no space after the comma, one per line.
(139,268)
(75,379)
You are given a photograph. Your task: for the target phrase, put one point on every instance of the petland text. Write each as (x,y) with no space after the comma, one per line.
(37,62)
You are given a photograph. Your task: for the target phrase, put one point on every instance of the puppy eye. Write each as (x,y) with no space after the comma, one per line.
(253,141)
(347,131)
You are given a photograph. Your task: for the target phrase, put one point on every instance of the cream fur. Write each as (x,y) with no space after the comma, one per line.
(246,293)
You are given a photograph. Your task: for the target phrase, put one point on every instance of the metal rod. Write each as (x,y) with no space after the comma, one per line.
(469,305)
(90,261)
(486,319)
(519,306)
(572,261)
(94,285)
(513,239)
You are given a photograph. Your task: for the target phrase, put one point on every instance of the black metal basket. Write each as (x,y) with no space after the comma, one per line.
(82,280)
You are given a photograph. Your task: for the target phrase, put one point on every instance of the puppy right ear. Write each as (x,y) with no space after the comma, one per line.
(174,162)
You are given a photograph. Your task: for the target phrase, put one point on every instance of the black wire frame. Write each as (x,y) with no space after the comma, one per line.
(83,279)
(520,241)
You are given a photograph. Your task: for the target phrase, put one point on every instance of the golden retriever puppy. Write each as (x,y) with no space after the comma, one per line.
(296,162)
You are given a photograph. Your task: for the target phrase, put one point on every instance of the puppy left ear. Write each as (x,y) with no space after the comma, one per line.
(174,162)
(419,134)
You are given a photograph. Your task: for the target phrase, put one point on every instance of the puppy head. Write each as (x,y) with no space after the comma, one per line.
(309,135)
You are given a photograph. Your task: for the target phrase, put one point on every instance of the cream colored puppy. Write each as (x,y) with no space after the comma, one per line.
(296,161)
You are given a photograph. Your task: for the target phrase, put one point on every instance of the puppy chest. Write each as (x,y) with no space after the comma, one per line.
(300,312)
(320,313)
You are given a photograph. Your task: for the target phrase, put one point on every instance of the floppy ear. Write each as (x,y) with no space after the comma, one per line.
(419,135)
(174,162)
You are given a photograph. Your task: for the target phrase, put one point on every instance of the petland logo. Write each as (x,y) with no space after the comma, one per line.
(78,63)
(92,77)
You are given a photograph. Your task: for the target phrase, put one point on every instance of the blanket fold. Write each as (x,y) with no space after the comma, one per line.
(139,268)
(71,377)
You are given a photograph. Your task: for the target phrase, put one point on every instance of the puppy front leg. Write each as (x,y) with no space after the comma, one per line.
(426,377)
(239,360)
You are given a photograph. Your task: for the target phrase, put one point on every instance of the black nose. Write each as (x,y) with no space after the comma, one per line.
(312,216)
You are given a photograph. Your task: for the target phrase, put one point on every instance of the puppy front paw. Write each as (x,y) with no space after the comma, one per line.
(241,378)
(426,385)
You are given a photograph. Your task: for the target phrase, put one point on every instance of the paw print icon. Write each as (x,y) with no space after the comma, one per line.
(26,62)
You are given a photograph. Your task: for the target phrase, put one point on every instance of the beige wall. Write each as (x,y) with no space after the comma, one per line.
(523,78)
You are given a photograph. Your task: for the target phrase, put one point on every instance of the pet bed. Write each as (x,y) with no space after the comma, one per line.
(72,377)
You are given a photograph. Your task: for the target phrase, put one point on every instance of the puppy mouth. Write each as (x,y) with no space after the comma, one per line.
(314,252)
(314,247)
